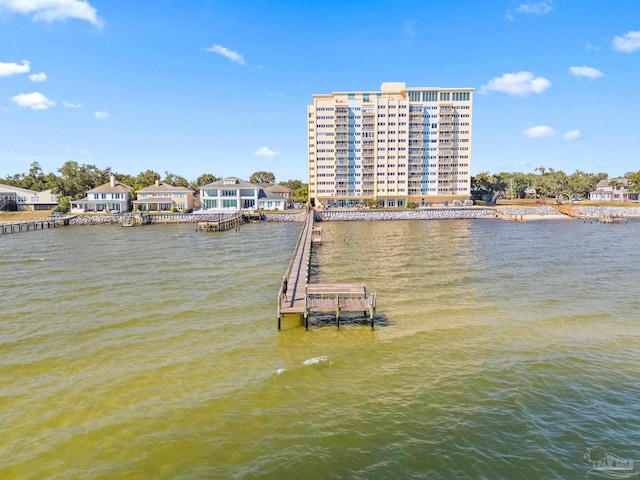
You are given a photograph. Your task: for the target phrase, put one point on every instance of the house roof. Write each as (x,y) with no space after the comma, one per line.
(605,182)
(277,188)
(118,187)
(231,182)
(10,188)
(164,187)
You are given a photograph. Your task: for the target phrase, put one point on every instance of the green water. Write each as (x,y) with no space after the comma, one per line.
(502,350)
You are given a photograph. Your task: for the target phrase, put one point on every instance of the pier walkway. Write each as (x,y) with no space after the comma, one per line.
(303,298)
(33,225)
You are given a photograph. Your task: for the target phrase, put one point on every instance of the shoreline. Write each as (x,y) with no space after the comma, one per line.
(504,213)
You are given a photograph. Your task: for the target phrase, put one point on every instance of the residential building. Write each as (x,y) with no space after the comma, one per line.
(613,190)
(391,147)
(22,199)
(233,194)
(281,191)
(164,198)
(114,197)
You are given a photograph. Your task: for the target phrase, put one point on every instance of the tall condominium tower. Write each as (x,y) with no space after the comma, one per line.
(390,148)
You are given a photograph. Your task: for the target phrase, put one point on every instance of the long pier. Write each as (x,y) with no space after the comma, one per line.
(32,225)
(304,298)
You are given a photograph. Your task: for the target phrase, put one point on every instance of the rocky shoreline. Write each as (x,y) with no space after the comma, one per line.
(446,213)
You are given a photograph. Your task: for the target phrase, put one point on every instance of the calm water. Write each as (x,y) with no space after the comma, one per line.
(505,351)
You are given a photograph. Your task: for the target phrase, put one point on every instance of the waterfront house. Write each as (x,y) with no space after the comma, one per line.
(613,190)
(162,197)
(22,199)
(114,197)
(281,191)
(232,194)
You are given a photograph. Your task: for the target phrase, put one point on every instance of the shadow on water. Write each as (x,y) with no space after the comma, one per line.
(348,319)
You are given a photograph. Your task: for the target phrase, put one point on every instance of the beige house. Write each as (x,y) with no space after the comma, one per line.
(163,197)
(280,191)
(390,147)
(613,190)
(22,199)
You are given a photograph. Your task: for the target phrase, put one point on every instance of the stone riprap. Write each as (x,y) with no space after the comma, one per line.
(420,214)
(447,213)
(538,211)
(615,211)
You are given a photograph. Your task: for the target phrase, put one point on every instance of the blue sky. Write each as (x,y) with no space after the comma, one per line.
(197,86)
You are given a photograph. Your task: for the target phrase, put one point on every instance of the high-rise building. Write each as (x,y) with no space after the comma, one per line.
(390,148)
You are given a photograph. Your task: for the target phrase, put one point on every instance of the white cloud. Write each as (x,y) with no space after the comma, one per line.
(100,115)
(225,52)
(38,77)
(573,135)
(71,105)
(50,11)
(585,71)
(627,43)
(534,8)
(539,131)
(265,152)
(520,83)
(7,69)
(34,101)
(531,8)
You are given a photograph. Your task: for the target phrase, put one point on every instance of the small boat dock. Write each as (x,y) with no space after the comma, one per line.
(304,298)
(223,223)
(612,219)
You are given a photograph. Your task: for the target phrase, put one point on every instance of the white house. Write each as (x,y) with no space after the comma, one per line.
(22,199)
(232,194)
(111,197)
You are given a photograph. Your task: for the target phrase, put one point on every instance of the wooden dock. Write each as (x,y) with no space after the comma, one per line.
(612,219)
(303,298)
(223,223)
(32,225)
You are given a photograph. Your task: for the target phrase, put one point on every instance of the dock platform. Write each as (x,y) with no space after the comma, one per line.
(304,298)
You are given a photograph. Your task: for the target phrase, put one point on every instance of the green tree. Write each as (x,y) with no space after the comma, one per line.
(262,177)
(634,181)
(301,194)
(204,179)
(75,180)
(175,180)
(144,179)
(292,184)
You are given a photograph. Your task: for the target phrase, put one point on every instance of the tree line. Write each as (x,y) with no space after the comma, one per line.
(74,181)
(547,183)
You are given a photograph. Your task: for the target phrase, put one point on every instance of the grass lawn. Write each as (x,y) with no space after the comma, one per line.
(24,216)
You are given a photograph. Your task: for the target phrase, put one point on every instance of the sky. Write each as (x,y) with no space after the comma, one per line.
(204,86)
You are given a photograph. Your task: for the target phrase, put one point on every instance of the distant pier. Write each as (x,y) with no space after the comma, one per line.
(32,225)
